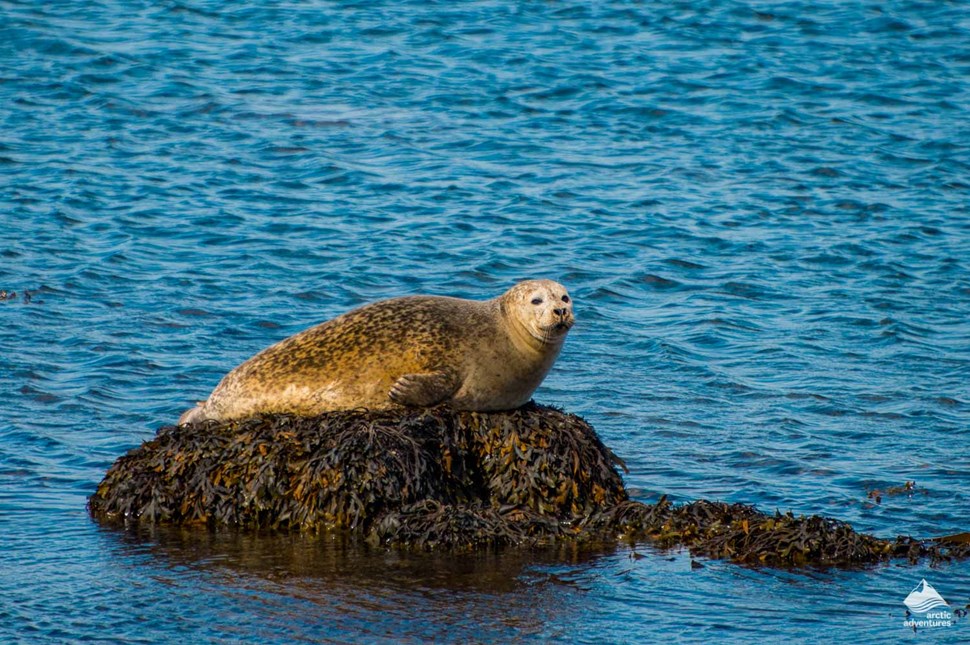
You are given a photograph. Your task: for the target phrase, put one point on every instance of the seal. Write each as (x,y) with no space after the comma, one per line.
(410,351)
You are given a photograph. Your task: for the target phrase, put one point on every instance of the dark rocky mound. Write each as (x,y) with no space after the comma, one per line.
(438,478)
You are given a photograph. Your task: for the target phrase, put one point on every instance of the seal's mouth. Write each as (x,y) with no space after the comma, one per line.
(557,329)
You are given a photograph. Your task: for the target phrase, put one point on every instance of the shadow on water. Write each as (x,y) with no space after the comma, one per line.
(342,560)
(359,589)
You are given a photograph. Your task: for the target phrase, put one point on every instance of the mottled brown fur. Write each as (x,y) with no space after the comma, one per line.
(415,350)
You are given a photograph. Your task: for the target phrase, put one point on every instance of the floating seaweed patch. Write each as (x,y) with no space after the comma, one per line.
(908,488)
(440,478)
(12,295)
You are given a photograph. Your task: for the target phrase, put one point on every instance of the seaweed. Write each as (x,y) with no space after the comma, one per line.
(438,478)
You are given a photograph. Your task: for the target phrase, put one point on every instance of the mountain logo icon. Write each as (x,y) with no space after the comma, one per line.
(924,598)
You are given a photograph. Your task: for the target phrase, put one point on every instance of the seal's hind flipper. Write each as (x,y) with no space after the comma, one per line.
(424,389)
(193,415)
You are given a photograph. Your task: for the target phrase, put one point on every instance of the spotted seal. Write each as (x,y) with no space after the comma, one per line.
(409,351)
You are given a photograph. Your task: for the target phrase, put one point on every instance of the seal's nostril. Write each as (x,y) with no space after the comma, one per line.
(559,312)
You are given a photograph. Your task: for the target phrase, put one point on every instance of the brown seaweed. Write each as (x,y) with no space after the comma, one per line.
(440,478)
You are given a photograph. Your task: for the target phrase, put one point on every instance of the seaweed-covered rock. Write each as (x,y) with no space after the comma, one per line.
(449,479)
(743,534)
(372,471)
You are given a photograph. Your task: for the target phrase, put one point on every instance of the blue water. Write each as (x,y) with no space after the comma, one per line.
(761,209)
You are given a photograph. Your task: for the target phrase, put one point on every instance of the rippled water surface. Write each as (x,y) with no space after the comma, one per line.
(761,210)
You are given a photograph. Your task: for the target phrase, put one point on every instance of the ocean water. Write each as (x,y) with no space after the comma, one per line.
(761,209)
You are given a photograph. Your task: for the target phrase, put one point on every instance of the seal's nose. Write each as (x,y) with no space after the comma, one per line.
(559,312)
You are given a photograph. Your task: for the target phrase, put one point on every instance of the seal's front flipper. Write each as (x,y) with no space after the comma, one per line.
(424,389)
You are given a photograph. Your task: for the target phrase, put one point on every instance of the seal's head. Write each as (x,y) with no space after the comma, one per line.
(540,308)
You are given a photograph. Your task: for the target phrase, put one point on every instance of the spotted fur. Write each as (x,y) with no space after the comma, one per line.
(416,350)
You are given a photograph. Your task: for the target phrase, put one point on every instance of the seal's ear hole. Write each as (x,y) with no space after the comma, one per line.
(565,298)
(537,301)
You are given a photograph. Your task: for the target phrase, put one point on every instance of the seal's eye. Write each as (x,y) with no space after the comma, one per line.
(565,298)
(537,301)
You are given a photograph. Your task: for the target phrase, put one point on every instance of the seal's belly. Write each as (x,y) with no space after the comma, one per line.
(365,391)
(493,389)
(482,402)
